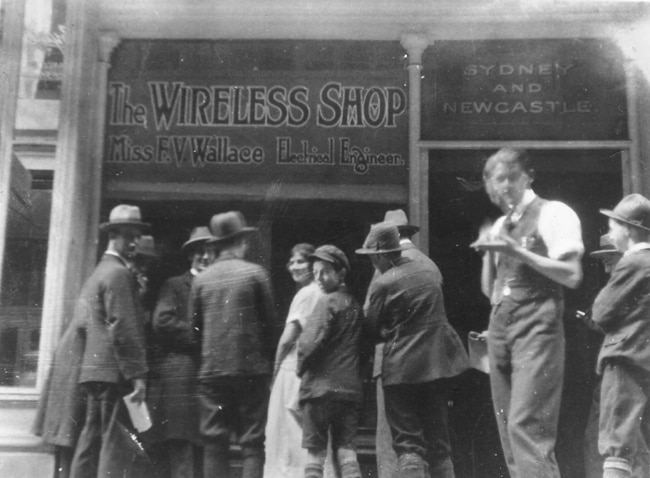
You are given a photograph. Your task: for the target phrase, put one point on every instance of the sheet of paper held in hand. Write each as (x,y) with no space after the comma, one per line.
(139,413)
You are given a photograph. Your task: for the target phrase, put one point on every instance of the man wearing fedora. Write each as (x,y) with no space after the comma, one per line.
(173,394)
(114,359)
(386,458)
(405,310)
(232,306)
(622,310)
(530,254)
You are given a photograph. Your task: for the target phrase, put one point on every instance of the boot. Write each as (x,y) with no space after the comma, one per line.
(412,465)
(252,462)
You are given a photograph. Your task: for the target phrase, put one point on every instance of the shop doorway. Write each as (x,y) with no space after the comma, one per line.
(458,205)
(281,224)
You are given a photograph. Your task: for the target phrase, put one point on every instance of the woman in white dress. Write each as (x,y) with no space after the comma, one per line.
(285,457)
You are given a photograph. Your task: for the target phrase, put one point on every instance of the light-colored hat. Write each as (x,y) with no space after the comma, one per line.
(332,254)
(398,217)
(606,248)
(633,209)
(124,215)
(146,247)
(199,235)
(228,225)
(383,237)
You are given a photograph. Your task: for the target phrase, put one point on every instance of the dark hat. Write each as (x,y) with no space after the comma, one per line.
(606,248)
(228,225)
(398,217)
(146,247)
(199,235)
(124,215)
(332,254)
(633,209)
(383,237)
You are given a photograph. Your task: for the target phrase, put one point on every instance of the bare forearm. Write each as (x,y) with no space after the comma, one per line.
(488,274)
(567,272)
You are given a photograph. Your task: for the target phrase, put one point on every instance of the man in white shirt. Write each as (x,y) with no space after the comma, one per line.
(532,253)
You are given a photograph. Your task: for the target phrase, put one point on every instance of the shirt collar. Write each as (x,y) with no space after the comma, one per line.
(193,271)
(518,210)
(117,254)
(639,246)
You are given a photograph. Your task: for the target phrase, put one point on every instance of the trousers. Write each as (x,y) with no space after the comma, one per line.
(526,347)
(106,446)
(624,425)
(418,419)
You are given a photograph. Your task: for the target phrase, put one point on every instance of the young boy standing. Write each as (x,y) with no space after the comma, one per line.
(329,365)
(622,310)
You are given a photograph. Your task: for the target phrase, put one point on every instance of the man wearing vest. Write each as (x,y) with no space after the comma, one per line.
(532,253)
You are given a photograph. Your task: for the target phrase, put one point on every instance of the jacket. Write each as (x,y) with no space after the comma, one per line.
(114,322)
(172,390)
(622,310)
(329,349)
(405,309)
(232,305)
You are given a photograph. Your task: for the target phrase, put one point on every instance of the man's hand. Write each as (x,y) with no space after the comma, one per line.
(139,389)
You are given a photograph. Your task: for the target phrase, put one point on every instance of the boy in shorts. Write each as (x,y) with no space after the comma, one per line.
(622,310)
(329,364)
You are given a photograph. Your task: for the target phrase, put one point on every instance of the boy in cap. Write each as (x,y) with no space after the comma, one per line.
(405,310)
(329,364)
(622,310)
(609,256)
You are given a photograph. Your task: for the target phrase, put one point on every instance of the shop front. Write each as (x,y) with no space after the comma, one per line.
(313,122)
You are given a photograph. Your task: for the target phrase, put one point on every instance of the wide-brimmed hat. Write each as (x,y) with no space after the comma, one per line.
(124,215)
(383,237)
(633,209)
(228,225)
(398,217)
(146,247)
(199,235)
(607,248)
(332,254)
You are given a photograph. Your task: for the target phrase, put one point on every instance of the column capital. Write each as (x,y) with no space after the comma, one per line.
(414,44)
(108,40)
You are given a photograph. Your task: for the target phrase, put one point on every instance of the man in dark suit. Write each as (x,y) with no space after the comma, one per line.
(386,458)
(232,306)
(174,371)
(114,359)
(405,310)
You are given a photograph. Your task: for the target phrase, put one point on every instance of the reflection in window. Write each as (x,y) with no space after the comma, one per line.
(23,277)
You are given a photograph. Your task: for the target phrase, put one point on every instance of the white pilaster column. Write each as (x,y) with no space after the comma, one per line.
(107,41)
(415,44)
(69,249)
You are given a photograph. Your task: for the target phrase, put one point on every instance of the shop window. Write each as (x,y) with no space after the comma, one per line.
(29,189)
(23,275)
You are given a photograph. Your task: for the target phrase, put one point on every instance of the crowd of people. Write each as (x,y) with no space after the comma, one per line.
(201,353)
